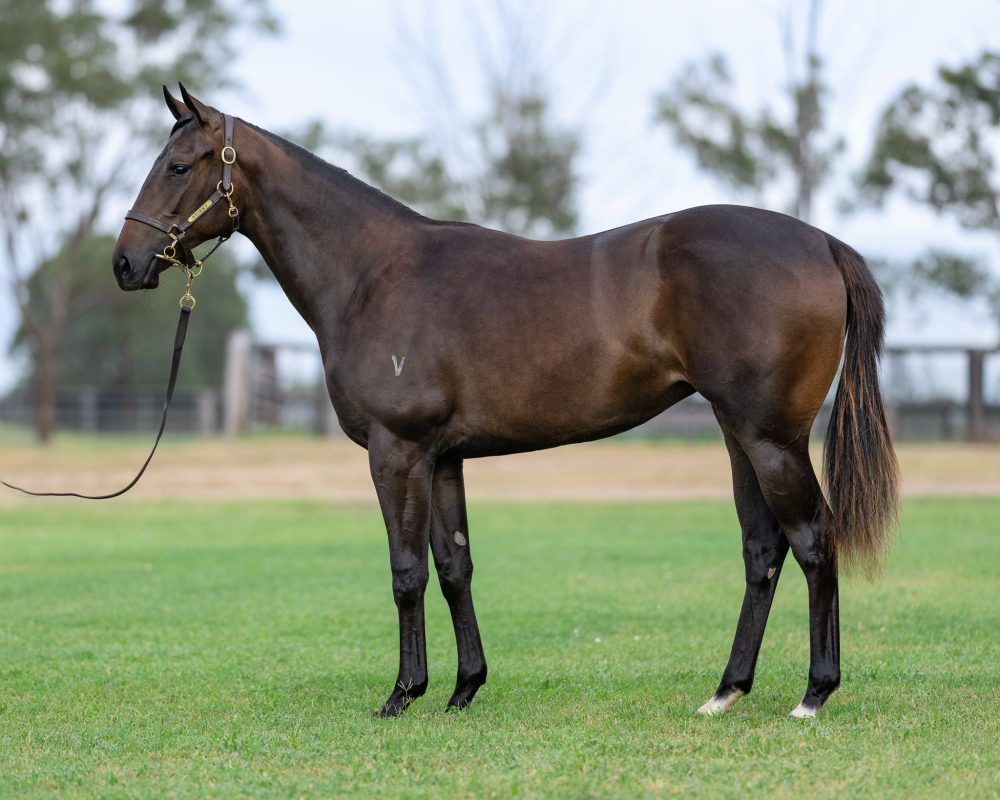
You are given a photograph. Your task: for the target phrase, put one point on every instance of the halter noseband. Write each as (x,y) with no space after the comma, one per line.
(176,232)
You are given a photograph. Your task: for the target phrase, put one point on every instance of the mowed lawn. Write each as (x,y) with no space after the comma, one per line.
(238,650)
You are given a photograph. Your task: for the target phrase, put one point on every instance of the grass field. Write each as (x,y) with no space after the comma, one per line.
(238,649)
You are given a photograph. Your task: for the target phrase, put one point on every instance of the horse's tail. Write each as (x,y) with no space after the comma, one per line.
(860,471)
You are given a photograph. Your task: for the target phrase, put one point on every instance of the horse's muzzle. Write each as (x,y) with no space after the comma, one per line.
(131,279)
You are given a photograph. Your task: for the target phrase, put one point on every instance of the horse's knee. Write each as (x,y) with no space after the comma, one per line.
(409,584)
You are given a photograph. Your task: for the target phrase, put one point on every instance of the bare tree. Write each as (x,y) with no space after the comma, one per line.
(754,151)
(46,310)
(507,162)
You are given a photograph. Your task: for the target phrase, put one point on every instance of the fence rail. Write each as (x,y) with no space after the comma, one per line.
(932,392)
(92,410)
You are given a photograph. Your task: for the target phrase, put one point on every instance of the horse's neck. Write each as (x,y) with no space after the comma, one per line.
(321,231)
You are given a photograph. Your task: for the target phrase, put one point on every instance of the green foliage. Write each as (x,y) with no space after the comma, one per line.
(528,183)
(519,176)
(79,90)
(962,276)
(237,650)
(752,151)
(114,339)
(411,170)
(938,144)
(68,69)
(703,118)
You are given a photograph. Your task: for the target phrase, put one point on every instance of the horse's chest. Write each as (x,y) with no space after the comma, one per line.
(394,390)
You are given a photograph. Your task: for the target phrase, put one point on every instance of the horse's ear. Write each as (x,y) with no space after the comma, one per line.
(202,113)
(176,107)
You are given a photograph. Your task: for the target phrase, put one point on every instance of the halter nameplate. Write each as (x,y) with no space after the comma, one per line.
(201,210)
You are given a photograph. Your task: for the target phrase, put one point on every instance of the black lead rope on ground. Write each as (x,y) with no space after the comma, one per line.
(175,367)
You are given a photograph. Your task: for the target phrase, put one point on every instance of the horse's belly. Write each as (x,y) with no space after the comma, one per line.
(550,410)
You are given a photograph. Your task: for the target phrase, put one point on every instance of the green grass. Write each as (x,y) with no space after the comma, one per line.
(238,651)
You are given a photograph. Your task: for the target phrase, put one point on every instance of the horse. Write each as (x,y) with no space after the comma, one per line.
(445,341)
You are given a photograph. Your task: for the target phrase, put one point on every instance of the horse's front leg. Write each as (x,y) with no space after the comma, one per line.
(403,474)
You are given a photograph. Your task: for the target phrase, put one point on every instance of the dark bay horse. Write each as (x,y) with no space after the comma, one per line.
(445,341)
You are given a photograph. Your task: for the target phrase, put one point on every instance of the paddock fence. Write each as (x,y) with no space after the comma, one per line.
(933,392)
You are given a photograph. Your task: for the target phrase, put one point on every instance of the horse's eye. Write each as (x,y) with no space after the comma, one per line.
(179,169)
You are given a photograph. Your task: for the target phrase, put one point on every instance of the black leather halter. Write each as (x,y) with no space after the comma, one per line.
(176,231)
(191,268)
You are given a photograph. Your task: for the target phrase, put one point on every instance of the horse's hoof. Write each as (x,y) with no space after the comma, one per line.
(393,707)
(459,701)
(389,710)
(802,711)
(717,704)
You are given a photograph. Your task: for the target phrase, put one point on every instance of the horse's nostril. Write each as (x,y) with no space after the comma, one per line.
(124,267)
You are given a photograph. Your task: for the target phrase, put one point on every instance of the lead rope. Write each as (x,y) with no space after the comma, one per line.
(224,190)
(175,367)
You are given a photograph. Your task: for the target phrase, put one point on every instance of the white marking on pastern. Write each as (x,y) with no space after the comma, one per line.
(803,712)
(716,704)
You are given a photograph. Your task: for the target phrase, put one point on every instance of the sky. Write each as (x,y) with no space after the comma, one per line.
(358,65)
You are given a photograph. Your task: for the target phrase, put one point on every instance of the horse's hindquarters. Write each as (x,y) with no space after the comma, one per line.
(757,310)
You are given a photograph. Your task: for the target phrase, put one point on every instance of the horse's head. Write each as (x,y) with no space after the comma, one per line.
(174,198)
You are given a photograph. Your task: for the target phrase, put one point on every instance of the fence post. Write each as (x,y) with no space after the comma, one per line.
(236,387)
(88,409)
(207,404)
(977,403)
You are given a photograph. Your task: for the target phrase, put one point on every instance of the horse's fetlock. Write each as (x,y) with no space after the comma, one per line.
(476,678)
(824,683)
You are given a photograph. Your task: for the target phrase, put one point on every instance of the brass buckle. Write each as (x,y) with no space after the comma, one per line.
(232,158)
(170,251)
(234,212)
(187,300)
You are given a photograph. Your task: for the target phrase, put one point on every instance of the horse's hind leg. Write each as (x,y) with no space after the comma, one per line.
(764,550)
(793,494)
(450,545)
